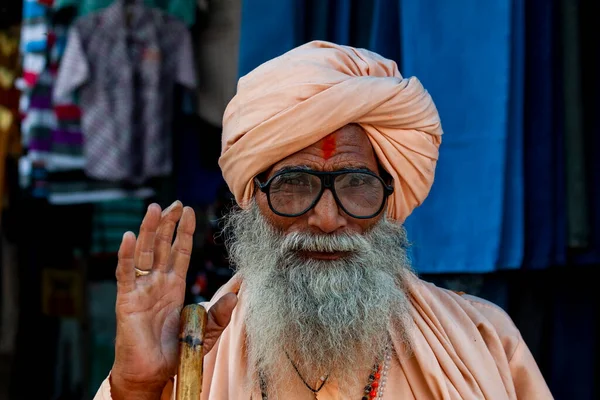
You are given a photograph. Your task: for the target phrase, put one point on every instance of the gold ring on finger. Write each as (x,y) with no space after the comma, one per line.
(142,272)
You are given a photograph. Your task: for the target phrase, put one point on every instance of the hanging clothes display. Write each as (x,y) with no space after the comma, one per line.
(590,92)
(362,23)
(53,159)
(216,55)
(34,33)
(51,131)
(385,30)
(316,20)
(35,37)
(575,155)
(198,176)
(185,10)
(138,55)
(510,253)
(468,72)
(339,25)
(338,21)
(281,28)
(110,219)
(545,214)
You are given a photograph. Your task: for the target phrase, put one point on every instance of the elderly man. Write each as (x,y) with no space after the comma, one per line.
(327,150)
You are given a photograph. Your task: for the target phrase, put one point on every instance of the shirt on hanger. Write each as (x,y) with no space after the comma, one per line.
(125,70)
(185,10)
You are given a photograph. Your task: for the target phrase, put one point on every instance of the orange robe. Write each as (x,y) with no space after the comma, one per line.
(464,348)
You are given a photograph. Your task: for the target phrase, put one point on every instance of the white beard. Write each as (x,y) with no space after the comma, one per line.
(332,317)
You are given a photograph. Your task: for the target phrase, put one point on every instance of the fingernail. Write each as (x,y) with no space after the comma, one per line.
(172,206)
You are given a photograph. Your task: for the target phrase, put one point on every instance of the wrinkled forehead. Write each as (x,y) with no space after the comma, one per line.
(346,148)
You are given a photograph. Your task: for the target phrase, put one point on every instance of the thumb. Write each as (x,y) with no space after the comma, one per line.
(219,316)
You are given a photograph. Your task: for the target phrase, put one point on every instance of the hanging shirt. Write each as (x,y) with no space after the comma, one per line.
(125,75)
(543,141)
(52,131)
(185,10)
(217,49)
(34,40)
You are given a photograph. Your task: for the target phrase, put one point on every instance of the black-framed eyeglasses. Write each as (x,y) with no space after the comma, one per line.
(293,192)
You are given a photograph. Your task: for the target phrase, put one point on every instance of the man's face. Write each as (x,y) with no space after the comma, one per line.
(323,288)
(346,148)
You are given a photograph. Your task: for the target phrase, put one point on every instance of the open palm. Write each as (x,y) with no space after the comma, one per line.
(148,307)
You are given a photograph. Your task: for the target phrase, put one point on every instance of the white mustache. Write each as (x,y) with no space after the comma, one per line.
(333,315)
(296,241)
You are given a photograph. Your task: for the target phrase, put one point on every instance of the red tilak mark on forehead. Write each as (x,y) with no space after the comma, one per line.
(328,147)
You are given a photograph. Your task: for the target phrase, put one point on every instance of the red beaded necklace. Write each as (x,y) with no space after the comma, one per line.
(373,390)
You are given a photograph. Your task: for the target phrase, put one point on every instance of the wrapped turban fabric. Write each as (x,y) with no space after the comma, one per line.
(300,97)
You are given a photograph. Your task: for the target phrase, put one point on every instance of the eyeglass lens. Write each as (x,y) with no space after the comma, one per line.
(360,194)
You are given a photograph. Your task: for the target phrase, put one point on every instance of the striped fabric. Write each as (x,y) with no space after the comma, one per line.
(185,10)
(51,131)
(111,219)
(52,167)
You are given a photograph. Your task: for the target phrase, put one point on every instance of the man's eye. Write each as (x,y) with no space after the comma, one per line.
(295,182)
(356,182)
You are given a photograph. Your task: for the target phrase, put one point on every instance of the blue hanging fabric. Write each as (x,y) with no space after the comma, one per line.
(590,63)
(361,23)
(340,22)
(573,339)
(385,31)
(268,29)
(461,52)
(513,223)
(545,219)
(316,20)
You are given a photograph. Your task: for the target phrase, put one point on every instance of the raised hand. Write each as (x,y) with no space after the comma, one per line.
(151,280)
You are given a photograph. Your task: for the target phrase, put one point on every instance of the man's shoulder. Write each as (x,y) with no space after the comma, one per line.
(486,307)
(489,318)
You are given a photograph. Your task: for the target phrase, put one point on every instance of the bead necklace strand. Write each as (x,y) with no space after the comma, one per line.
(315,391)
(378,379)
(373,390)
(384,373)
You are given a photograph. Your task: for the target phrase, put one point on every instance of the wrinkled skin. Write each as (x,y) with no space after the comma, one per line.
(148,307)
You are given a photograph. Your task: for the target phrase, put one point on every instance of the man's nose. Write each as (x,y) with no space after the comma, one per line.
(326,215)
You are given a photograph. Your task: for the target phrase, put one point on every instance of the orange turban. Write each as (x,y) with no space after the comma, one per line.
(298,98)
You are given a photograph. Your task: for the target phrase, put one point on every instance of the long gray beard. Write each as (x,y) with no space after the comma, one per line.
(331,317)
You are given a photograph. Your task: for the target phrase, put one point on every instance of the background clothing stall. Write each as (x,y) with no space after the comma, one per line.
(84,172)
(513,212)
(513,215)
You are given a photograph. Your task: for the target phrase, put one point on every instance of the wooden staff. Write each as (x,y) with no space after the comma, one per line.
(191,339)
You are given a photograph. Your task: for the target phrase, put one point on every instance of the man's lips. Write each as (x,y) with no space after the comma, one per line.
(322,255)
